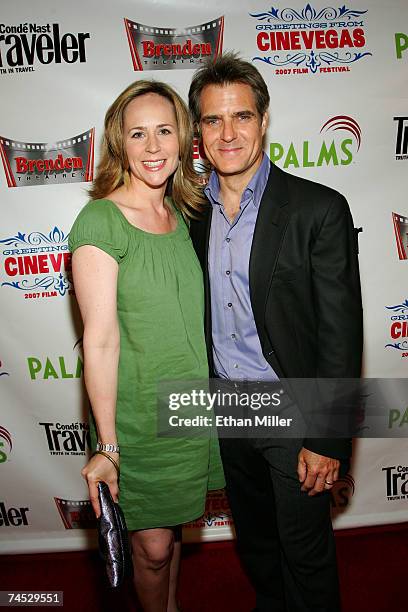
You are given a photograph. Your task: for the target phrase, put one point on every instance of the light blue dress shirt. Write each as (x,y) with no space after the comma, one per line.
(236,347)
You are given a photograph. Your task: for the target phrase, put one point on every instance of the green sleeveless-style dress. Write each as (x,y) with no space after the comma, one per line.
(160,305)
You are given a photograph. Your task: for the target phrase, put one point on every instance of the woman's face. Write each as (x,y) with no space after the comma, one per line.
(151,139)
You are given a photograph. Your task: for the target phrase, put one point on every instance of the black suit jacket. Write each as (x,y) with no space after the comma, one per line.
(304,285)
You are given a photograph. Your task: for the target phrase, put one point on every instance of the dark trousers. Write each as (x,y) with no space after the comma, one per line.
(284,537)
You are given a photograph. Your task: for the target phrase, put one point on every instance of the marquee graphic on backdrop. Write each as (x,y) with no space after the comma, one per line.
(76,514)
(309,40)
(30,163)
(163,48)
(401,234)
(200,161)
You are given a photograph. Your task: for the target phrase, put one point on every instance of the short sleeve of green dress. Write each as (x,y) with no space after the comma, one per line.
(160,306)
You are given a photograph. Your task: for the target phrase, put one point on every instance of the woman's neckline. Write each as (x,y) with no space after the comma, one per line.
(139,229)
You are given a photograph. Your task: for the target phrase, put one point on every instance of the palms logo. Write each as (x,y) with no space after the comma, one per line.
(334,150)
(3,373)
(5,443)
(342,491)
(346,124)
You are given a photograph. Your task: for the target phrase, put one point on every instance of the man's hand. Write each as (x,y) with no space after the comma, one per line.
(317,472)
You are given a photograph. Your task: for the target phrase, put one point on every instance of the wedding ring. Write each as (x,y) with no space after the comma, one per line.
(328,483)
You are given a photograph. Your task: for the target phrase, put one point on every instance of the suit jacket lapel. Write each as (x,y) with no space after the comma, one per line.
(200,235)
(270,228)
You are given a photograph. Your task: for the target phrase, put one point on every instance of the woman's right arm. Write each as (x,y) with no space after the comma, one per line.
(95,276)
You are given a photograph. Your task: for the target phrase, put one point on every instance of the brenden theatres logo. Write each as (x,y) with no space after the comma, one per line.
(200,161)
(396,479)
(310,41)
(6,444)
(27,44)
(163,48)
(37,264)
(29,163)
(401,234)
(67,438)
(399,328)
(58,367)
(76,514)
(334,151)
(401,143)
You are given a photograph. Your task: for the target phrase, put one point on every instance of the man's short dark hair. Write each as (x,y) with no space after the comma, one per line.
(225,70)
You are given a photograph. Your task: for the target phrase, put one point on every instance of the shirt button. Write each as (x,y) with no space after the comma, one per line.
(233,336)
(228,240)
(228,272)
(236,365)
(229,305)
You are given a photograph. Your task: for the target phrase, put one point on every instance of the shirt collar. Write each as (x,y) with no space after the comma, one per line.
(254,190)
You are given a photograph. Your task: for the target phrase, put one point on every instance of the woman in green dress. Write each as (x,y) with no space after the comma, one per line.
(139,288)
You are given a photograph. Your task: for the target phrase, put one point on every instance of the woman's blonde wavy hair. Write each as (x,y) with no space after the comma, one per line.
(184,186)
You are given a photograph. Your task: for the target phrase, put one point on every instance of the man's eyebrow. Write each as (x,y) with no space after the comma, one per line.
(236,114)
(243,112)
(206,117)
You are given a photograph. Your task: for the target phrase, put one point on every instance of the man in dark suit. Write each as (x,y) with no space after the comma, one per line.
(283,300)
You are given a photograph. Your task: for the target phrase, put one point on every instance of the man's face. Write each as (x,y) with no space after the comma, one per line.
(232,129)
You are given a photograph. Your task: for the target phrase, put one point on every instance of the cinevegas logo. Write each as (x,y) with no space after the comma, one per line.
(401,234)
(332,151)
(217,512)
(27,164)
(26,43)
(310,41)
(399,328)
(36,264)
(163,48)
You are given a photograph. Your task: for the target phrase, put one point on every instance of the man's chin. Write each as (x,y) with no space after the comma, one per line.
(223,171)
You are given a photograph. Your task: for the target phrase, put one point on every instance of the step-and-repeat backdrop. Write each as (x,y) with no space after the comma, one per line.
(338,79)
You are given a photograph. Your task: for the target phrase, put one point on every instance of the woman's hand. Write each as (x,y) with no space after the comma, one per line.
(100,468)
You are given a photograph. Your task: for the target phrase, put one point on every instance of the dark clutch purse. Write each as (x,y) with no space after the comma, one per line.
(113,538)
